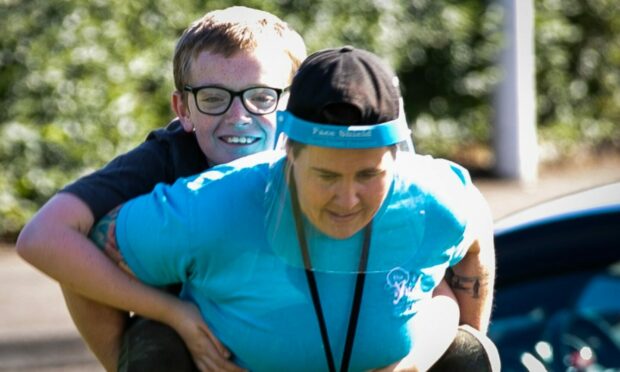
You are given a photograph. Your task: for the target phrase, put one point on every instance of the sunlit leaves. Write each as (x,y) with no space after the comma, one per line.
(82,81)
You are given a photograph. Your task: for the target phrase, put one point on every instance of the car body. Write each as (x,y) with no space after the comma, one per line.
(557,300)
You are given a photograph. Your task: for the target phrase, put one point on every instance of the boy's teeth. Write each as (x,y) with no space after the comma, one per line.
(241,140)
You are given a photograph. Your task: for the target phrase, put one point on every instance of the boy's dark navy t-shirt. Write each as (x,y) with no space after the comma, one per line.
(167,154)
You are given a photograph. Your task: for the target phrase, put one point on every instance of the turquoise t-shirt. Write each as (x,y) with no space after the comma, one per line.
(228,235)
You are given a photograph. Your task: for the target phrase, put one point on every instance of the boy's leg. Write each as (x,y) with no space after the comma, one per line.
(152,346)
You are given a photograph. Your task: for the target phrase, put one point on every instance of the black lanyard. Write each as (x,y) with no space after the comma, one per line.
(359,286)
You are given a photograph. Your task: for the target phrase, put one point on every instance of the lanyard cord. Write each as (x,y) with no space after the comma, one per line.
(314,292)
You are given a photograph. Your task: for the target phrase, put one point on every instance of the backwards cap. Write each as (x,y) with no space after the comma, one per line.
(344,76)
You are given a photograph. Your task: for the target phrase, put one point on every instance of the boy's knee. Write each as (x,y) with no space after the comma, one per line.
(152,346)
(470,351)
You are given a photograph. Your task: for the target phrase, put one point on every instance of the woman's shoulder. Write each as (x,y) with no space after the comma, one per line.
(244,173)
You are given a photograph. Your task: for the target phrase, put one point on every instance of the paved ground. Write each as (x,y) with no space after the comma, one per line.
(36,333)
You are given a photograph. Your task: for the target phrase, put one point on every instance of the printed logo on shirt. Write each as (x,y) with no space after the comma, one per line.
(407,289)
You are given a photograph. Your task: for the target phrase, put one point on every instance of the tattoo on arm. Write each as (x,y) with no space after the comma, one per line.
(468,284)
(104,237)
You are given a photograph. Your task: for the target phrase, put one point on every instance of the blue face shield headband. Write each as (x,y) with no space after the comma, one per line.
(340,136)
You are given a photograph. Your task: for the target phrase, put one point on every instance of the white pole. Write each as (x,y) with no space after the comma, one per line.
(515,138)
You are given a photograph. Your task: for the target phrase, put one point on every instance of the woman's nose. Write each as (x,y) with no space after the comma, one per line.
(347,195)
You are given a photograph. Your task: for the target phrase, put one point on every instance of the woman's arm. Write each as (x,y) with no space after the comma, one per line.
(473,278)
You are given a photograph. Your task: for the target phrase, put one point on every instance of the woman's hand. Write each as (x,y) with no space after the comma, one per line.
(207,351)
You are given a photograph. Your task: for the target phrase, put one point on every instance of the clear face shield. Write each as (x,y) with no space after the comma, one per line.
(341,201)
(345,254)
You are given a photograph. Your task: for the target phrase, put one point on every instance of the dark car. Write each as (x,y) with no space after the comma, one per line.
(557,301)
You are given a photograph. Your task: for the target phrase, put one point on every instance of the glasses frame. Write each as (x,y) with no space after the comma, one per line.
(233,94)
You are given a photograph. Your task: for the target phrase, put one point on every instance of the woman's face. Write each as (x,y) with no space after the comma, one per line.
(340,190)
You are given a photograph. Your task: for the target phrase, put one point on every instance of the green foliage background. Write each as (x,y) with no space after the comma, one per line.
(82,81)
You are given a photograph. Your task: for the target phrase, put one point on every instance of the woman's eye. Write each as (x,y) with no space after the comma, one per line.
(366,175)
(327,177)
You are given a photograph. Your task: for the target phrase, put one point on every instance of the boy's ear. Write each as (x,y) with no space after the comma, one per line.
(283,102)
(181,110)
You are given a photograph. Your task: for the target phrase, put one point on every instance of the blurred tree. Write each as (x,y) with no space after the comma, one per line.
(578,75)
(82,81)
(75,80)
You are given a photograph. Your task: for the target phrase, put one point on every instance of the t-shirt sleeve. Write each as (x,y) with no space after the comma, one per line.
(449,188)
(153,234)
(468,210)
(177,230)
(127,176)
(476,211)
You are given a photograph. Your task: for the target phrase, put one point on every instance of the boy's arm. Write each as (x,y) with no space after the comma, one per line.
(100,326)
(70,215)
(68,256)
(208,353)
(65,219)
